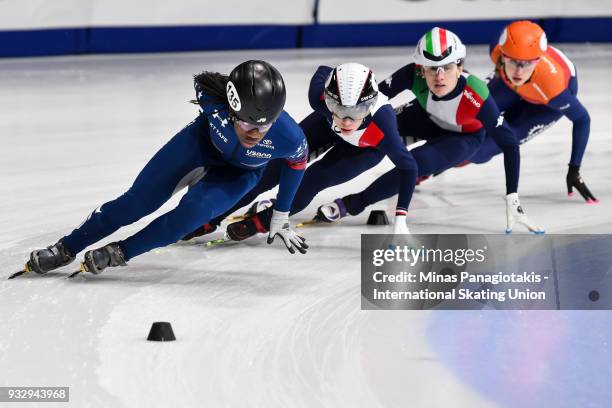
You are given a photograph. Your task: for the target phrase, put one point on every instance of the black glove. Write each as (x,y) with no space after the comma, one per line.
(574,179)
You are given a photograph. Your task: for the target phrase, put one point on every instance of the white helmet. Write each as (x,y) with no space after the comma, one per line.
(439,47)
(351,91)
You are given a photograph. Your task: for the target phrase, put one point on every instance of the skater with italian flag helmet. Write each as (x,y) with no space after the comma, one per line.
(452,112)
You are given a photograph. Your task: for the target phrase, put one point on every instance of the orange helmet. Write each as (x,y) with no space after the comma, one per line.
(523,40)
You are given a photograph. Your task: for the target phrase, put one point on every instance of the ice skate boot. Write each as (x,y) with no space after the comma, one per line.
(53,257)
(259,206)
(99,259)
(212,226)
(202,230)
(332,211)
(258,223)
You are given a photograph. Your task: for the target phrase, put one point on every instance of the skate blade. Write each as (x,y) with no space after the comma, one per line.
(25,269)
(236,218)
(216,242)
(81,270)
(306,223)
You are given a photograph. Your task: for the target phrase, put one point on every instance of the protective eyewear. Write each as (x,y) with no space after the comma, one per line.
(247,127)
(356,112)
(520,63)
(441,69)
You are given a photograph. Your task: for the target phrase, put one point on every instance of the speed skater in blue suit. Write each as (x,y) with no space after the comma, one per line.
(219,156)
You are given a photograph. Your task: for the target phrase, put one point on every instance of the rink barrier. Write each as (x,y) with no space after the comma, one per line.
(27,43)
(558,30)
(96,40)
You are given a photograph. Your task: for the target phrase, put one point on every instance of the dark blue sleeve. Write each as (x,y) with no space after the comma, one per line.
(570,106)
(317,86)
(399,81)
(393,146)
(291,175)
(504,96)
(498,129)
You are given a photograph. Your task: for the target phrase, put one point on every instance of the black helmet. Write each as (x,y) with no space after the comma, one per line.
(256,92)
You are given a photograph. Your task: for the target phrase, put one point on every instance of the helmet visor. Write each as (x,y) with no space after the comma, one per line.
(435,69)
(247,127)
(355,112)
(517,63)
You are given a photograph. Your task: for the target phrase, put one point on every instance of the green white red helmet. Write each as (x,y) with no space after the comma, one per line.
(439,47)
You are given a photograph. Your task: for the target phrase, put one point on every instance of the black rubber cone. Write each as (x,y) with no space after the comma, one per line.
(161,331)
(378,217)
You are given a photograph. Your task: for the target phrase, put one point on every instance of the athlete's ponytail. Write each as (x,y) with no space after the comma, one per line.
(212,84)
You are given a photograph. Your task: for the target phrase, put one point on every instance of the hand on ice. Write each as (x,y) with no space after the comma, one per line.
(574,179)
(279,225)
(516,215)
(400,226)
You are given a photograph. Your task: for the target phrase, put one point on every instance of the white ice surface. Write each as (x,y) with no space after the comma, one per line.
(257,327)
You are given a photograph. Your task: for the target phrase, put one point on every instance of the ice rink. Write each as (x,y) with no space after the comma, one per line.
(256,326)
